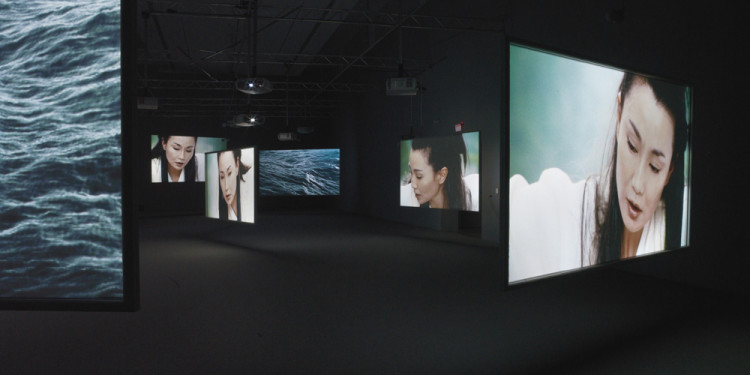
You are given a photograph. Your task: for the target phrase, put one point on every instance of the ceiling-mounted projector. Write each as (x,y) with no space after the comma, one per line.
(401,86)
(245,121)
(254,86)
(305,129)
(148,103)
(288,136)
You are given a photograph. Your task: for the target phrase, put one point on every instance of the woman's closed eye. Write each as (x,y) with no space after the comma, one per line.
(632,147)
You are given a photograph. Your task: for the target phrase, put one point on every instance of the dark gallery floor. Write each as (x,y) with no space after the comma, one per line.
(334,293)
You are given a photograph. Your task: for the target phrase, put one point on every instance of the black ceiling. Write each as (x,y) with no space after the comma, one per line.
(316,53)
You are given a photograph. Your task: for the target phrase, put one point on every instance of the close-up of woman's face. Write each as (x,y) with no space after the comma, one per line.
(178,150)
(427,184)
(645,136)
(228,170)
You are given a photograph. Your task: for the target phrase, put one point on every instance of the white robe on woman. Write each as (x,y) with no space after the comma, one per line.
(546,226)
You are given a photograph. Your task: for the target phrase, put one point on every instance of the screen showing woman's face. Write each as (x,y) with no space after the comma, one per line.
(645,135)
(178,150)
(228,169)
(426,183)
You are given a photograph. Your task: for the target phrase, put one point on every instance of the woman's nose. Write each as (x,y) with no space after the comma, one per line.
(638,180)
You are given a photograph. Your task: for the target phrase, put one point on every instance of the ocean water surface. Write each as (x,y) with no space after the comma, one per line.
(299,172)
(60,154)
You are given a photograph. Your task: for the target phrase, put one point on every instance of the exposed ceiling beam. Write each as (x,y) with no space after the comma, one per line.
(176,84)
(362,18)
(291,59)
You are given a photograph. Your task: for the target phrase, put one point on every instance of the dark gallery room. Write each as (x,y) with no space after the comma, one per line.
(566,199)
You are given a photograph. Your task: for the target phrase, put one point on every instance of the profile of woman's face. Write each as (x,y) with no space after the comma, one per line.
(228,169)
(427,184)
(645,136)
(178,150)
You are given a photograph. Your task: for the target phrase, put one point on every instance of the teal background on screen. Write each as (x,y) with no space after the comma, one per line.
(561,113)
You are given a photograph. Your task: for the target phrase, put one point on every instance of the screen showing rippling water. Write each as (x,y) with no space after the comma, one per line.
(60,154)
(300,172)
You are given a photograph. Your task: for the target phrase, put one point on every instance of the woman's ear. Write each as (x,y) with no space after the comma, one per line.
(164,144)
(442,174)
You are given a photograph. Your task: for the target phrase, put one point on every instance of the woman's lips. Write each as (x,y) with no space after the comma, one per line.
(633,210)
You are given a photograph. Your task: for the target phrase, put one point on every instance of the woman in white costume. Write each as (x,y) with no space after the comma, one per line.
(556,224)
(236,192)
(173,159)
(435,174)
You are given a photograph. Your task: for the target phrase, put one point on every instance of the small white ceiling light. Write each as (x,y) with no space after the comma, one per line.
(254,86)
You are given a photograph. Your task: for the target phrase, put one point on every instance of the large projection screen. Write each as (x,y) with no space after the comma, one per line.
(181,155)
(440,172)
(599,164)
(233,201)
(303,172)
(62,243)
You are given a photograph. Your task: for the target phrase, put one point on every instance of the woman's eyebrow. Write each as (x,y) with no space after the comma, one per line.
(658,153)
(635,129)
(638,135)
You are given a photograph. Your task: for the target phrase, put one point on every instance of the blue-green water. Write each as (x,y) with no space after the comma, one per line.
(60,158)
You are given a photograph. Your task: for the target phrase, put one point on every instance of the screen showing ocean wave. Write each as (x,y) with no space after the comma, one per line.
(60,152)
(299,172)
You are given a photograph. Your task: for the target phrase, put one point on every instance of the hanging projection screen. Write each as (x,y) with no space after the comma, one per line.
(61,141)
(440,172)
(599,164)
(181,156)
(231,184)
(304,172)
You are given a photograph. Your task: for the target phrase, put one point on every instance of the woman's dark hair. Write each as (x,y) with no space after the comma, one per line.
(448,152)
(607,239)
(191,169)
(223,207)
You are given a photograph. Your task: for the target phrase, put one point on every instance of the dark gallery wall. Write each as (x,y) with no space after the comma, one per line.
(692,42)
(464,86)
